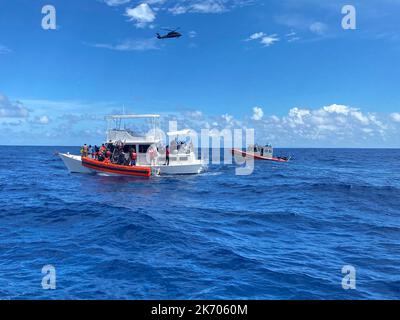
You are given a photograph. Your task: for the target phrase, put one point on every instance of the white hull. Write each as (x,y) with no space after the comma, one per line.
(74,165)
(195,168)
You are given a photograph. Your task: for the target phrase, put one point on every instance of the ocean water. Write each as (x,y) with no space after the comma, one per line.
(284,232)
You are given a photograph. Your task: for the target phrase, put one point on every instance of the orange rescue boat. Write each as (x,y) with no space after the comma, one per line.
(259,153)
(116,169)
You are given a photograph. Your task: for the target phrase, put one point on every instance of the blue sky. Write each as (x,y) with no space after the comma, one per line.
(286,68)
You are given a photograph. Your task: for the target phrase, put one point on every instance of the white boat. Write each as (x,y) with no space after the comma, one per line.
(182,159)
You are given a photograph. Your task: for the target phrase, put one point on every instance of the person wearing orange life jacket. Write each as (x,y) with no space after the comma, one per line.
(133,156)
(105,157)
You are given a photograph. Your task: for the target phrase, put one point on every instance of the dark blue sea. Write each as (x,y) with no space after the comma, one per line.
(284,232)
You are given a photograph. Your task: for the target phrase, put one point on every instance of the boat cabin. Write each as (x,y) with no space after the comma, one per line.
(139,139)
(262,151)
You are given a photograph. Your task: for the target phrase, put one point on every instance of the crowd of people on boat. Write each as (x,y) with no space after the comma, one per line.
(116,153)
(110,154)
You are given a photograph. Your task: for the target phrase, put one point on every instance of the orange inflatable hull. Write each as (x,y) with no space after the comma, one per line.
(116,168)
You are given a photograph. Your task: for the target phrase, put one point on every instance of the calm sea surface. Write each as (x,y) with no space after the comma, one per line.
(284,232)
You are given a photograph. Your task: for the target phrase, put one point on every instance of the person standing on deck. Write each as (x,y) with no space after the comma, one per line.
(84,151)
(153,153)
(96,152)
(167,156)
(133,157)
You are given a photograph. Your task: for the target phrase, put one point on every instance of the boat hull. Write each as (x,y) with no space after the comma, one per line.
(115,169)
(74,163)
(250,155)
(171,169)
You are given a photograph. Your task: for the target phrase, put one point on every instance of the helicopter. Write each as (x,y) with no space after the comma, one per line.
(170,34)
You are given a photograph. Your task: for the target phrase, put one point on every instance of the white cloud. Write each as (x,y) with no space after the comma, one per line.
(367,130)
(4,49)
(292,36)
(318,28)
(395,117)
(205,6)
(10,109)
(297,115)
(227,117)
(142,15)
(114,3)
(176,10)
(360,117)
(154,2)
(208,6)
(293,21)
(263,38)
(130,45)
(293,39)
(256,36)
(337,108)
(258,113)
(41,119)
(274,118)
(197,114)
(192,34)
(269,40)
(334,125)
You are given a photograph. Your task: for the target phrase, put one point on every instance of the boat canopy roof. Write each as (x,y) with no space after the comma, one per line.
(118,131)
(179,133)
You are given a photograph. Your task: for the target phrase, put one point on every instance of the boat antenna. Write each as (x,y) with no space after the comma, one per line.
(123,112)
